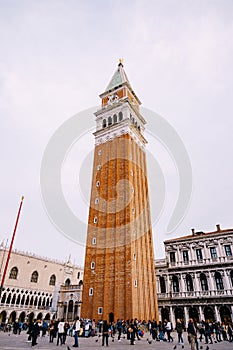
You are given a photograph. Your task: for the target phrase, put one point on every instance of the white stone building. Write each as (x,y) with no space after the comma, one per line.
(196,277)
(32,286)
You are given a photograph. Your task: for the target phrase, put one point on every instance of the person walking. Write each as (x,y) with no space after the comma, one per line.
(192,334)
(179,329)
(35,332)
(105,333)
(51,331)
(119,329)
(60,333)
(76,327)
(168,328)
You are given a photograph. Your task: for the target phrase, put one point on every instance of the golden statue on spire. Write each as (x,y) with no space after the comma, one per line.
(121,61)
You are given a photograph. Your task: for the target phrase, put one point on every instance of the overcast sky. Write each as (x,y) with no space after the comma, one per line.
(58,56)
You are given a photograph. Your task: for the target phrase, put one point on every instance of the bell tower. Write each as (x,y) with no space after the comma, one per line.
(119,272)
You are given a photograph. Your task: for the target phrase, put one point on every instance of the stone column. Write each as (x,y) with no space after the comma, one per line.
(211,282)
(182,284)
(218,319)
(226,282)
(186,315)
(172,316)
(202,317)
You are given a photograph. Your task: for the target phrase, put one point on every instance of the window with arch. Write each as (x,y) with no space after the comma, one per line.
(228,250)
(175,284)
(189,283)
(114,119)
(231,277)
(204,283)
(91,291)
(34,277)
(92,265)
(162,284)
(93,240)
(70,306)
(185,256)
(109,121)
(52,280)
(218,281)
(120,116)
(14,273)
(172,257)
(67,282)
(104,123)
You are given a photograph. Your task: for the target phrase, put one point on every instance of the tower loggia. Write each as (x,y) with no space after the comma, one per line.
(119,273)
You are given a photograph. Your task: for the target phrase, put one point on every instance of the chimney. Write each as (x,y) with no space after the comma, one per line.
(218,228)
(193,231)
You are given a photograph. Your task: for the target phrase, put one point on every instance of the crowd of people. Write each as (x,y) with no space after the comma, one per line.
(132,330)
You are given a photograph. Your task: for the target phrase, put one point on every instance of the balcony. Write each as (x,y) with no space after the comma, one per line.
(72,287)
(195,294)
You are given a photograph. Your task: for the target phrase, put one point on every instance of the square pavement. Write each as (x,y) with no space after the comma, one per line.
(10,341)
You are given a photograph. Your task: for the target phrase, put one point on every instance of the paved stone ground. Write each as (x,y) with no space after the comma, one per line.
(9,341)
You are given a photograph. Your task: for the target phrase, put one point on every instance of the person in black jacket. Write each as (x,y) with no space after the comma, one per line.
(192,334)
(35,332)
(105,332)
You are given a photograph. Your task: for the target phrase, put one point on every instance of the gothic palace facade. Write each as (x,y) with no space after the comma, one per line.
(196,277)
(38,287)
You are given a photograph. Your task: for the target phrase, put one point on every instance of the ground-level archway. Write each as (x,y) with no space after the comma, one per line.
(12,317)
(164,314)
(225,314)
(193,313)
(179,313)
(3,316)
(209,313)
(22,317)
(31,317)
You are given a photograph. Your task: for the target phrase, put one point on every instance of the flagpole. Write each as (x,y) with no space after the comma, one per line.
(10,249)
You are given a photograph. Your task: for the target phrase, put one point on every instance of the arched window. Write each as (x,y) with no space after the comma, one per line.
(70,306)
(115,119)
(189,283)
(67,282)
(175,284)
(204,283)
(218,281)
(109,121)
(52,280)
(34,277)
(13,299)
(14,273)
(231,277)
(8,301)
(120,116)
(104,123)
(27,300)
(18,300)
(162,284)
(3,298)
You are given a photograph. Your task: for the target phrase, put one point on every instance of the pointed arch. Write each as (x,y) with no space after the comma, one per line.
(14,273)
(34,277)
(204,283)
(189,283)
(52,280)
